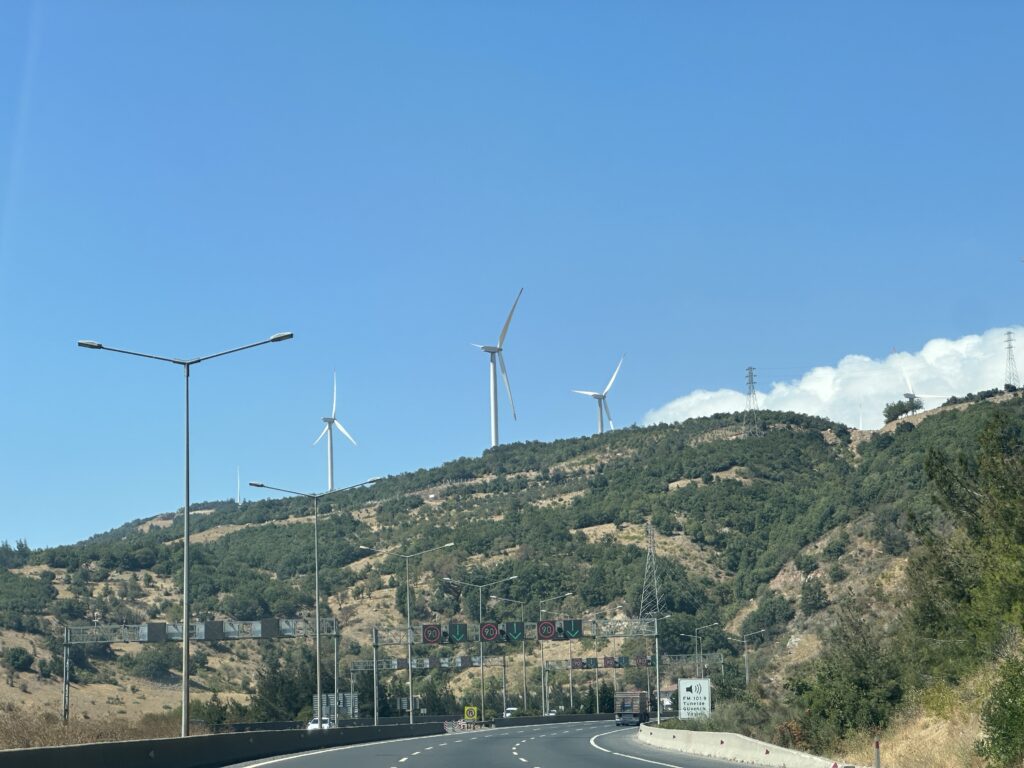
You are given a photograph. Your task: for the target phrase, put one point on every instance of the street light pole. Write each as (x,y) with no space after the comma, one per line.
(700,645)
(695,639)
(186,366)
(480,598)
(746,665)
(316,584)
(408,613)
(522,606)
(543,664)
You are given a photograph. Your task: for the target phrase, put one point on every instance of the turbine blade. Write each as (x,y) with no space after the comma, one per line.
(607,413)
(346,434)
(612,379)
(334,402)
(906,380)
(587,392)
(326,427)
(508,388)
(504,330)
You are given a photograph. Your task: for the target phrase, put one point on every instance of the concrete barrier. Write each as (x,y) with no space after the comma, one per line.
(730,746)
(205,751)
(506,722)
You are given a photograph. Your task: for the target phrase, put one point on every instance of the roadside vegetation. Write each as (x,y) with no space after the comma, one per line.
(896,560)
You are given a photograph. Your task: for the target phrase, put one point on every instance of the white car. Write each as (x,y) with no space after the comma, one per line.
(318,723)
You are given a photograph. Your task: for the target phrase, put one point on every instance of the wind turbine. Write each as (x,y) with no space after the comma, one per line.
(495,352)
(602,400)
(330,421)
(915,399)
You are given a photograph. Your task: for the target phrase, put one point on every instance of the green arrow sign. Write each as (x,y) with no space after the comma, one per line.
(572,627)
(457,632)
(514,630)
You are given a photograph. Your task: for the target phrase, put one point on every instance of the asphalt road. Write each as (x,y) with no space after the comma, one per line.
(566,745)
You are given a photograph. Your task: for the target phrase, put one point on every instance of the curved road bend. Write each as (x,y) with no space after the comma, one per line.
(565,745)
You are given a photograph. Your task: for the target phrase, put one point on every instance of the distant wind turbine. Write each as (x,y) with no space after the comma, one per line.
(602,400)
(495,352)
(913,398)
(330,421)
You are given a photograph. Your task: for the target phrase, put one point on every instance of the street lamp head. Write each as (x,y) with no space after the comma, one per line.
(282,336)
(257,485)
(446,578)
(363,546)
(90,344)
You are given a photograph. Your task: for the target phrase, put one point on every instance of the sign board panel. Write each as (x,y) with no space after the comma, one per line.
(469,713)
(694,698)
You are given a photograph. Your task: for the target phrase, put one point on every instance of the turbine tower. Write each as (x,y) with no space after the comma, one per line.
(602,400)
(330,421)
(1011,365)
(495,353)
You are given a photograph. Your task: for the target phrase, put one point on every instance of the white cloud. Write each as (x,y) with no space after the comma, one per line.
(856,390)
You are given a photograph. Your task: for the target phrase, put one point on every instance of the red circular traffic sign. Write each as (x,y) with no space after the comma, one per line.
(545,630)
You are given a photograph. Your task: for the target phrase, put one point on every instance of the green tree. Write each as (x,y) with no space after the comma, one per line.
(812,596)
(1002,717)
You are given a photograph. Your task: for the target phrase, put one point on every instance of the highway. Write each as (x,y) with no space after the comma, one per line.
(565,745)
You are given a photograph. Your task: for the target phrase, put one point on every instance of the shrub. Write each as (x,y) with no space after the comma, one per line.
(1002,717)
(18,659)
(813,596)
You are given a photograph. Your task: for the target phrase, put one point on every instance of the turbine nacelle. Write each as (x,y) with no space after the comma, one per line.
(602,400)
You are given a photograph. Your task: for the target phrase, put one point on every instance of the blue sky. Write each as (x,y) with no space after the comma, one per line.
(702,186)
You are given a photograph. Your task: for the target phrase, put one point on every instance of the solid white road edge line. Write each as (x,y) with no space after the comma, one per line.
(594,738)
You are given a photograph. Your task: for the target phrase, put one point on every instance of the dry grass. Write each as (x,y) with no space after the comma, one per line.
(21,730)
(924,741)
(939,728)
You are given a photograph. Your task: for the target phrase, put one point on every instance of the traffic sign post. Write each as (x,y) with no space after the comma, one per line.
(489,632)
(469,713)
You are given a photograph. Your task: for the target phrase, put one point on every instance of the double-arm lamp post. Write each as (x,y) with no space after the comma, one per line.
(186,366)
(698,644)
(408,608)
(316,579)
(543,664)
(481,588)
(746,665)
(522,606)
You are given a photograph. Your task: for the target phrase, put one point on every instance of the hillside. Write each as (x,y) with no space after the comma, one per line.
(782,531)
